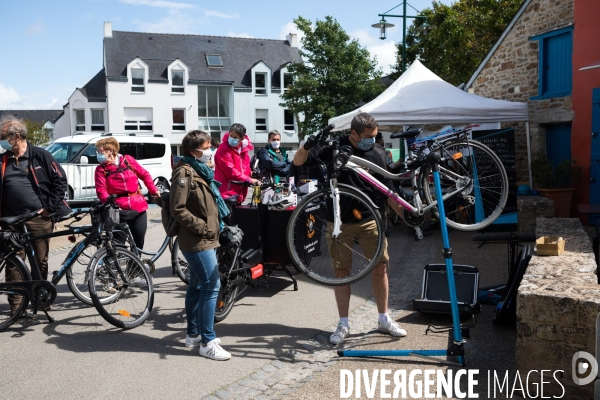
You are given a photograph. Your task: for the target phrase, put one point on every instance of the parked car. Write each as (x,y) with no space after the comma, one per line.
(77,155)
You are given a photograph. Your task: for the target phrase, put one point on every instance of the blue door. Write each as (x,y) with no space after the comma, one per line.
(595,156)
(558,142)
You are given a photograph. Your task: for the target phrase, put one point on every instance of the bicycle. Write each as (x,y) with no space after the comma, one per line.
(28,287)
(322,216)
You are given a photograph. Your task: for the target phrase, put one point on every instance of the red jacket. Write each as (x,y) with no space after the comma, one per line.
(124,184)
(232,166)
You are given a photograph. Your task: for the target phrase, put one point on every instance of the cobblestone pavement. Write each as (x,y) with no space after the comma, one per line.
(291,371)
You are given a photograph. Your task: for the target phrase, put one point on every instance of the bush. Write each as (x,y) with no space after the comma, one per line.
(548,176)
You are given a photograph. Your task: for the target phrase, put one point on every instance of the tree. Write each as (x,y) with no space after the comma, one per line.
(336,75)
(462,35)
(36,133)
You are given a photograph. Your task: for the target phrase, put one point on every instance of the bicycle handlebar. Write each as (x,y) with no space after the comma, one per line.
(322,134)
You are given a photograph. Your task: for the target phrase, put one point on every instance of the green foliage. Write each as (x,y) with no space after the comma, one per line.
(336,75)
(461,36)
(548,176)
(36,133)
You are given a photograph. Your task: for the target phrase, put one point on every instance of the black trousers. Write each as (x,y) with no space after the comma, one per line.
(138,224)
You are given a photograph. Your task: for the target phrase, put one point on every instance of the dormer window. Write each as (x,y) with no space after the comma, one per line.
(288,80)
(260,83)
(137,80)
(214,60)
(177,77)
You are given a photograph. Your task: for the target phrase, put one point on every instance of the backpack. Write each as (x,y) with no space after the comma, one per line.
(255,172)
(169,223)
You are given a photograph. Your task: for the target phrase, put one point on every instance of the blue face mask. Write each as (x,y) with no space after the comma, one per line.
(101,158)
(366,144)
(233,142)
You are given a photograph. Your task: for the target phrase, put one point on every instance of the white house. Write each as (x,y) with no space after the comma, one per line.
(171,83)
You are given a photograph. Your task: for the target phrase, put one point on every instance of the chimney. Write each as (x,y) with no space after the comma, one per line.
(107,30)
(292,38)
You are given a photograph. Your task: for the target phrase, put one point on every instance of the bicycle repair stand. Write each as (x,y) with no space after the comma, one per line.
(455,350)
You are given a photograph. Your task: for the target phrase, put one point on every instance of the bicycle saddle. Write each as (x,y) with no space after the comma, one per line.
(409,134)
(18,219)
(231,200)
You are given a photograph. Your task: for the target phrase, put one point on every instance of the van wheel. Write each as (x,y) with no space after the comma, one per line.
(69,194)
(162,185)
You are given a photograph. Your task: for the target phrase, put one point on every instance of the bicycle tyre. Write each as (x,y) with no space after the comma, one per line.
(179,263)
(77,275)
(483,202)
(6,319)
(304,223)
(223,310)
(129,306)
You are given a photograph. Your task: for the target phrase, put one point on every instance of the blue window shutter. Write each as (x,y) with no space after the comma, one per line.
(558,142)
(557,64)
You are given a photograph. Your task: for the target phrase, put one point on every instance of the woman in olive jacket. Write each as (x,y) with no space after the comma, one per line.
(195,203)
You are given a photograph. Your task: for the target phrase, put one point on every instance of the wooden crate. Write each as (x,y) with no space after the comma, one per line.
(550,246)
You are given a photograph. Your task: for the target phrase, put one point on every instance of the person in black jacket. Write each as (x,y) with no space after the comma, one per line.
(272,158)
(30,180)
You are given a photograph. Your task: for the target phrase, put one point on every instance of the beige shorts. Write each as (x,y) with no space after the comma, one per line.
(344,248)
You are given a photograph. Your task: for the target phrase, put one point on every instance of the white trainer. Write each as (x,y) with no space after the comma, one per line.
(340,334)
(138,282)
(214,351)
(192,341)
(390,327)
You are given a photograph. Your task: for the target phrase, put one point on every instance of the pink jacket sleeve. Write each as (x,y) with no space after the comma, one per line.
(100,181)
(224,161)
(142,174)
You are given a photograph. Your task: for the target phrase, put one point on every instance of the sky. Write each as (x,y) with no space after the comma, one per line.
(51,47)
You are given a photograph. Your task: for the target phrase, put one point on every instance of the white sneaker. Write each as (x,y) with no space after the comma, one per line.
(138,282)
(192,342)
(390,327)
(340,334)
(214,351)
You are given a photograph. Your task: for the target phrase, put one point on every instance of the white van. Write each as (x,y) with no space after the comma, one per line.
(77,156)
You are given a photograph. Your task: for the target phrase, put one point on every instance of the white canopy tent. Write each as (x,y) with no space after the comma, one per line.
(420,97)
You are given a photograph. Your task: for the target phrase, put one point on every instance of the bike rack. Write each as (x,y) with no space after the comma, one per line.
(456,349)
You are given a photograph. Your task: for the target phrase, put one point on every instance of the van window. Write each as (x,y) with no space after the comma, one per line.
(128,149)
(64,152)
(150,150)
(90,153)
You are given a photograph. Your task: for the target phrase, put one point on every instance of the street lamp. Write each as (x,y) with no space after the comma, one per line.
(382,25)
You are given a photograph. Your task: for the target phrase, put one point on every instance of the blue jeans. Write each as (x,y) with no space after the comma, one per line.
(201,296)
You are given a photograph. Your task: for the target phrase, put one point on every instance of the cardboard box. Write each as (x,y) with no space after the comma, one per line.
(550,246)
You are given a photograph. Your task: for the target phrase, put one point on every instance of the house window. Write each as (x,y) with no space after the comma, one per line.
(214,60)
(288,80)
(137,80)
(213,109)
(261,120)
(288,121)
(178,119)
(80,120)
(555,63)
(177,81)
(138,119)
(98,120)
(260,83)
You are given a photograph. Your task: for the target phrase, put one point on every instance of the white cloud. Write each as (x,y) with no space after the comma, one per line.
(37,28)
(384,50)
(213,13)
(10,99)
(175,22)
(160,4)
(288,28)
(241,35)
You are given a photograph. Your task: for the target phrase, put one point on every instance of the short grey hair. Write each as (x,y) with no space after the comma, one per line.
(11,125)
(273,133)
(362,121)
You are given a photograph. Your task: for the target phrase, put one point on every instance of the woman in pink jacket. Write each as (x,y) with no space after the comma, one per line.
(232,163)
(119,174)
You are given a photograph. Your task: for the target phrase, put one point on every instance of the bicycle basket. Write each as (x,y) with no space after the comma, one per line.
(231,236)
(110,216)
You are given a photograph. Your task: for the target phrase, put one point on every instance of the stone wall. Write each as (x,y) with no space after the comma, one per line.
(557,304)
(512,74)
(529,208)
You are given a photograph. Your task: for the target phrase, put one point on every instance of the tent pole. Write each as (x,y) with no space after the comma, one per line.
(528,153)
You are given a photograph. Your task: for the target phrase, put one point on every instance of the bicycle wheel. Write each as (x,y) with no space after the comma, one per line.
(228,291)
(358,247)
(123,303)
(78,277)
(12,306)
(484,199)
(179,263)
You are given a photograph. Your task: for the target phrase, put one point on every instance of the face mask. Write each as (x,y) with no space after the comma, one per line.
(206,156)
(102,158)
(12,142)
(275,144)
(233,142)
(244,142)
(366,144)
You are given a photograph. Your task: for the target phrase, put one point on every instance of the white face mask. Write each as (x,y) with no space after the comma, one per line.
(206,155)
(244,142)
(275,144)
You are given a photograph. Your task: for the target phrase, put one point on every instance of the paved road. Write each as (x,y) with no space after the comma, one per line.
(82,356)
